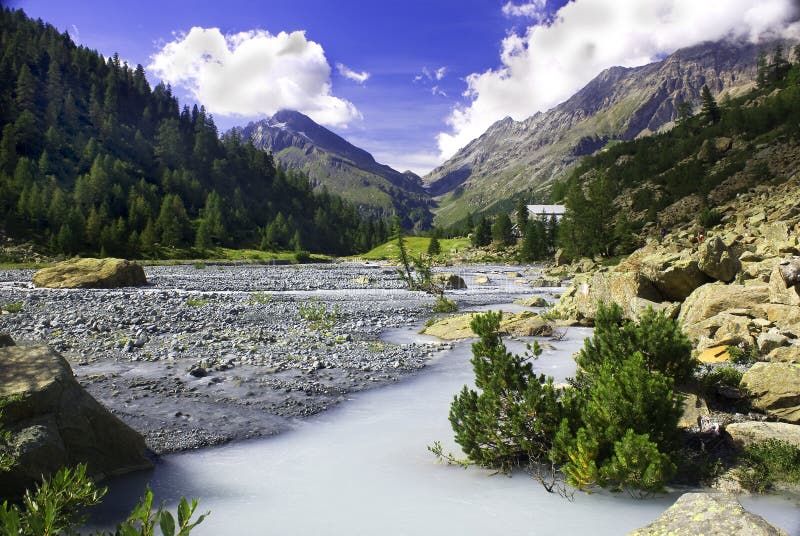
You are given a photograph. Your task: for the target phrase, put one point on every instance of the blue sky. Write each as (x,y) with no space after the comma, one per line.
(410,81)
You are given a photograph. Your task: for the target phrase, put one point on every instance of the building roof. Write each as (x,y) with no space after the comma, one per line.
(548,210)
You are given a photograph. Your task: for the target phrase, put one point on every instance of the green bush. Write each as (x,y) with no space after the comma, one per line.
(444,305)
(709,217)
(13,307)
(742,356)
(719,377)
(768,462)
(302,257)
(57,506)
(196,302)
(512,418)
(318,316)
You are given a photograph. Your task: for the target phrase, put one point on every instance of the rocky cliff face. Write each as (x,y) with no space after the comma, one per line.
(620,103)
(328,159)
(55,423)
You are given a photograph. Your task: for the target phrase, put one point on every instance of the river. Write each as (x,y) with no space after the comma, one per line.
(362,468)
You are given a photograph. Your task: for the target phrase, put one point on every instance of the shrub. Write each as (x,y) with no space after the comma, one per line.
(196,302)
(444,305)
(199,265)
(514,416)
(768,462)
(13,307)
(742,356)
(57,506)
(302,257)
(318,316)
(719,377)
(709,217)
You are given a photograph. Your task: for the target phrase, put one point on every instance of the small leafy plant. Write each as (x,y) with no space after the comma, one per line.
(444,305)
(196,302)
(13,307)
(318,315)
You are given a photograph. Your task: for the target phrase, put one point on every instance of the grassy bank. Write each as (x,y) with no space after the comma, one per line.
(416,245)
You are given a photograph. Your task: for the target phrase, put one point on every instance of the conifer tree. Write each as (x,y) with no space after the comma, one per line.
(502,230)
(482,234)
(710,109)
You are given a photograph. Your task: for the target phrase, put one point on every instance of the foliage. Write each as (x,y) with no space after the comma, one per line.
(709,217)
(415,272)
(615,426)
(513,416)
(768,462)
(719,377)
(259,298)
(742,356)
(709,109)
(659,339)
(318,315)
(13,307)
(56,506)
(482,234)
(95,161)
(196,302)
(444,305)
(502,230)
(434,247)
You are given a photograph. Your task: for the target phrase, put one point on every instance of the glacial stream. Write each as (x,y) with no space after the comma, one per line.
(362,469)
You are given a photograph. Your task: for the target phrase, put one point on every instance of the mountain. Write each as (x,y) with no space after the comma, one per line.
(619,104)
(329,160)
(94,161)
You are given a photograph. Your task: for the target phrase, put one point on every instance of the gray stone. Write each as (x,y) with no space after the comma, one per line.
(709,514)
(775,389)
(746,433)
(717,260)
(769,341)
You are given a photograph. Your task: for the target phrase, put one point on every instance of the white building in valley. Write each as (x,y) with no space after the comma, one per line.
(544,212)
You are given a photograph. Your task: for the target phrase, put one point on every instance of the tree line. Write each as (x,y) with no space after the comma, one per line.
(94,160)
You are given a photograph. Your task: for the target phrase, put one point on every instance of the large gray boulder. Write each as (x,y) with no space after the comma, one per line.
(713,299)
(750,432)
(91,273)
(717,260)
(779,292)
(775,389)
(709,514)
(54,422)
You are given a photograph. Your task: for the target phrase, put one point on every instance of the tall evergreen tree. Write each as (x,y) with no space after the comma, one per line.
(710,108)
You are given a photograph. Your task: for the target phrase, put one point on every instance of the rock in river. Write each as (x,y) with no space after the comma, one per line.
(55,423)
(710,514)
(91,273)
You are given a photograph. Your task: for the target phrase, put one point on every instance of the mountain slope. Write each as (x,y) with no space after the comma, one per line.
(328,159)
(620,103)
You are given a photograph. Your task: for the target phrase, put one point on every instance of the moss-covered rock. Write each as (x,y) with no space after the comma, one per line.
(91,273)
(709,514)
(532,301)
(449,281)
(525,324)
(775,389)
(55,422)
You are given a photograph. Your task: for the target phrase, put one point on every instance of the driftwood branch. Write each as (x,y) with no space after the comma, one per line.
(790,271)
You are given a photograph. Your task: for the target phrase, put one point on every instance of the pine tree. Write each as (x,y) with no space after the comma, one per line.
(482,235)
(502,230)
(710,109)
(434,247)
(521,215)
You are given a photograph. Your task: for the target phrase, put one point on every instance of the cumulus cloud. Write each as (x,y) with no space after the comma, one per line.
(349,73)
(533,10)
(548,63)
(253,73)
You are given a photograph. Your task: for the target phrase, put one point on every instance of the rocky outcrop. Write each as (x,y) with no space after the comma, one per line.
(747,433)
(55,423)
(775,389)
(532,301)
(631,290)
(790,272)
(91,273)
(675,276)
(717,260)
(709,514)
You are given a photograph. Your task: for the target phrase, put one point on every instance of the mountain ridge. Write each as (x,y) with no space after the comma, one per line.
(620,103)
(296,141)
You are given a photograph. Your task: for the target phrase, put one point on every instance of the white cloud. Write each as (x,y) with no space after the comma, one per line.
(355,76)
(436,90)
(549,63)
(440,72)
(420,163)
(533,9)
(75,34)
(431,75)
(253,73)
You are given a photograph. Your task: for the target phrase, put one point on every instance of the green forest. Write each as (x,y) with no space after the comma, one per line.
(681,162)
(95,161)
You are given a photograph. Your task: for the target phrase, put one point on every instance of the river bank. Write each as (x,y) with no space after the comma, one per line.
(207,355)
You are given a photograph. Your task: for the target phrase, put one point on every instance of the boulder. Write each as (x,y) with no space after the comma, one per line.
(6,340)
(709,514)
(449,281)
(785,317)
(694,408)
(481,280)
(91,273)
(717,260)
(631,290)
(746,433)
(561,258)
(784,354)
(527,324)
(775,389)
(532,301)
(714,355)
(712,299)
(675,274)
(790,271)
(724,329)
(54,422)
(770,340)
(779,292)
